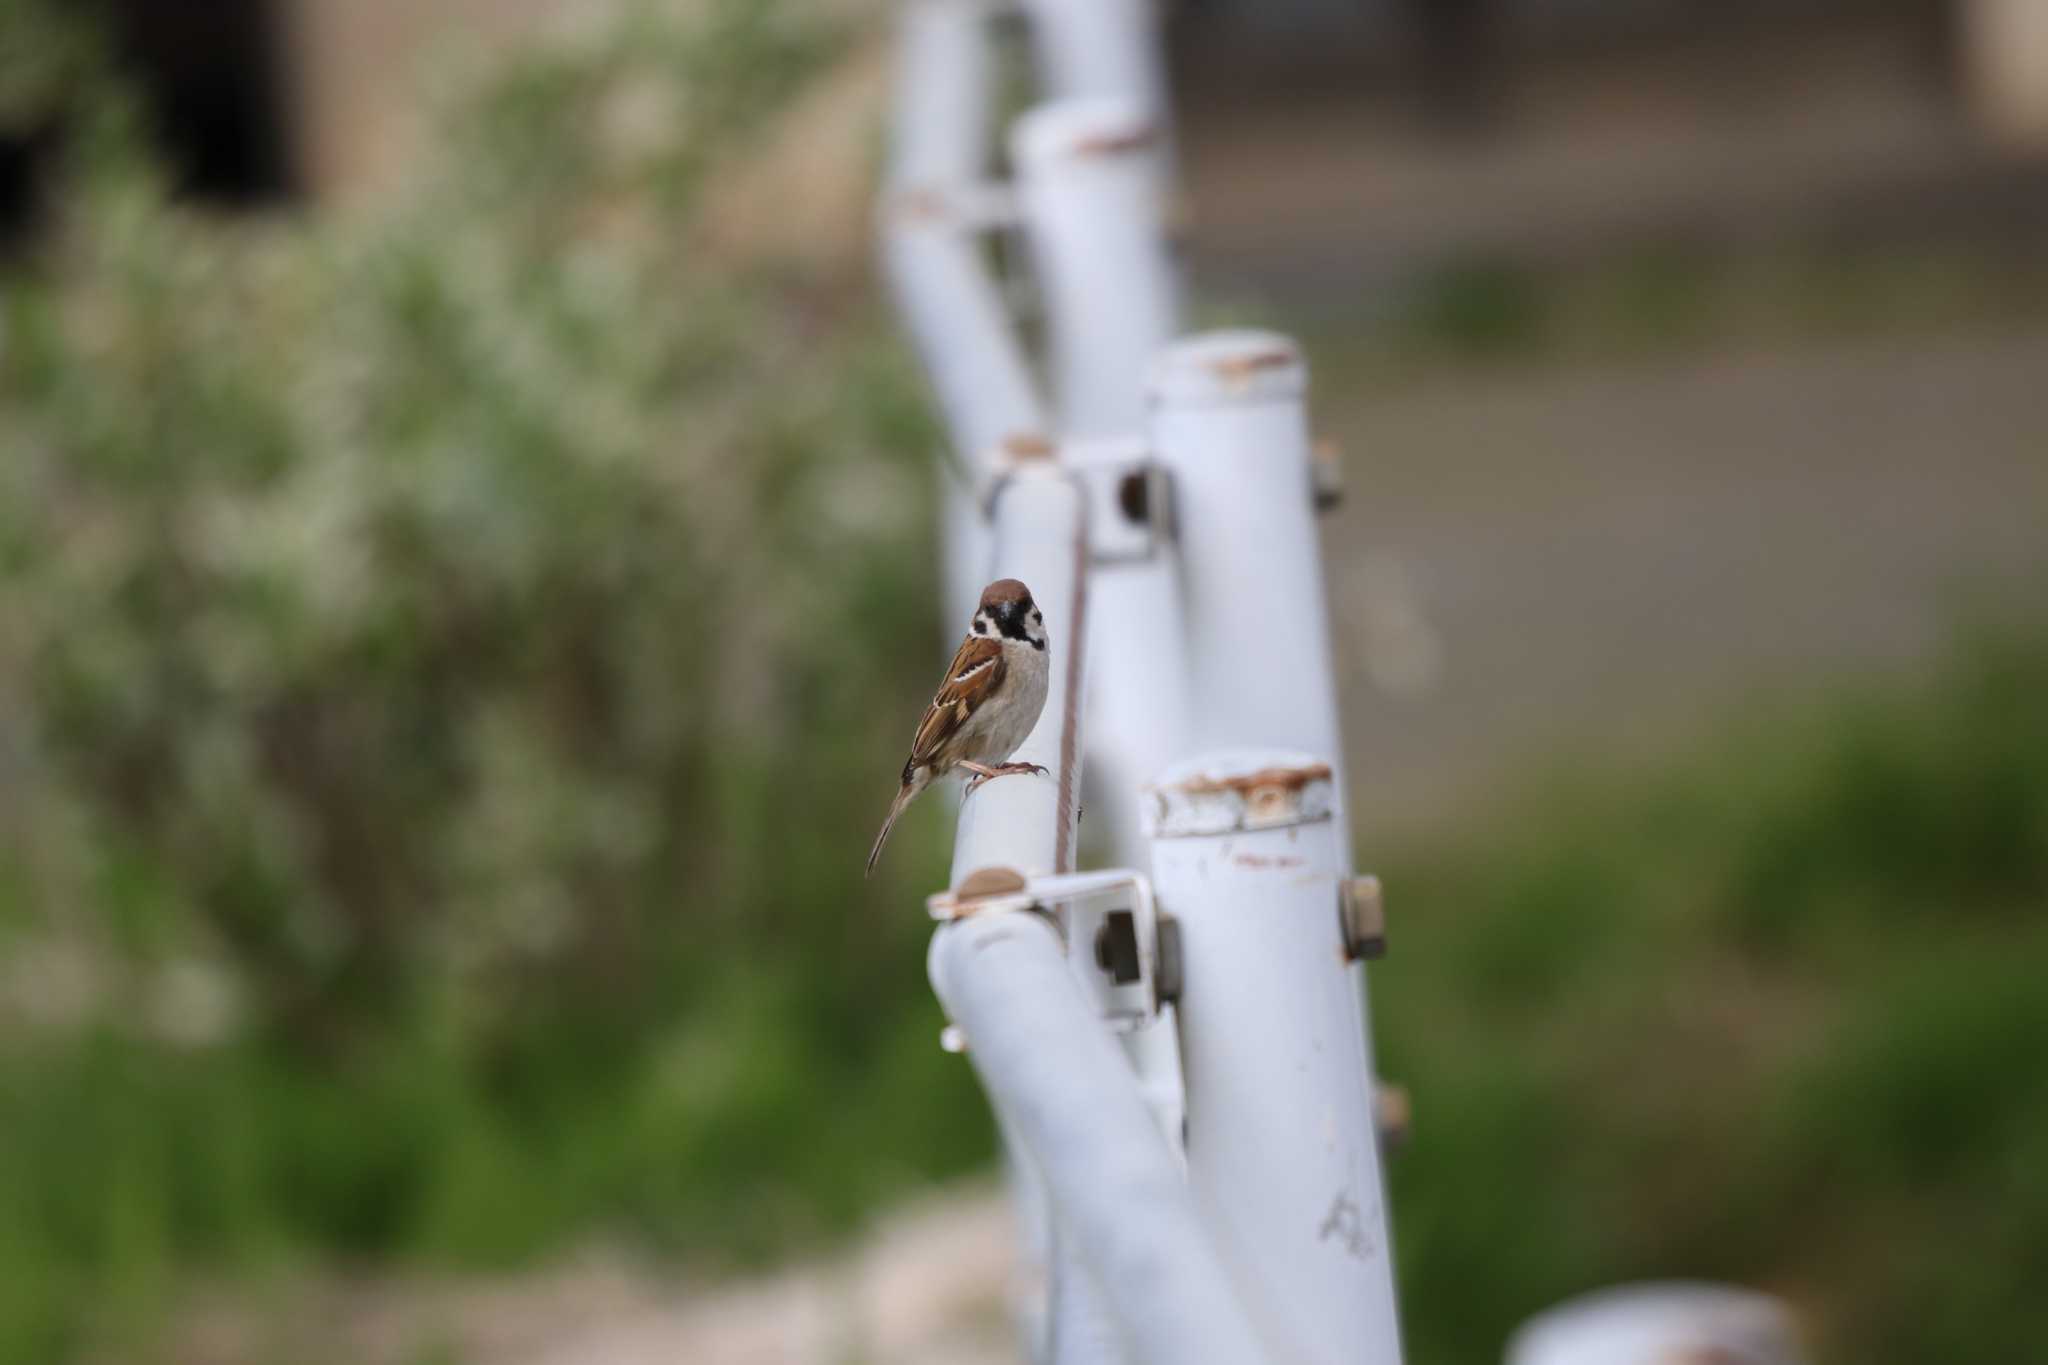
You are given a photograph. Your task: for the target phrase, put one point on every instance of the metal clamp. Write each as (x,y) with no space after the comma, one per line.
(1130,494)
(1326,474)
(1108,919)
(1362,911)
(1130,500)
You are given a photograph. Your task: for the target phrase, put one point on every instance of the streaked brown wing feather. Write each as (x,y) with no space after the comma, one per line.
(972,677)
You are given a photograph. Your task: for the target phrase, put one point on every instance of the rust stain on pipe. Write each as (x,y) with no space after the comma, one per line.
(1286,779)
(1237,371)
(1028,445)
(1131,139)
(1254,860)
(921,204)
(984,882)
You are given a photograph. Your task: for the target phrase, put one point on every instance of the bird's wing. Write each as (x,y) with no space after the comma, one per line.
(971,679)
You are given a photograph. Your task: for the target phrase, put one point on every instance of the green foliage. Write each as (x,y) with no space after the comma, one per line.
(1770,1017)
(452,664)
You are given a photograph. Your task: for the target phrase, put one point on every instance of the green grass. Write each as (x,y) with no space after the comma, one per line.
(1767,1016)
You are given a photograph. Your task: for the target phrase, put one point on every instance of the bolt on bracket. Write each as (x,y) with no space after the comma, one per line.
(1130,500)
(1362,912)
(1393,1114)
(1326,472)
(1109,922)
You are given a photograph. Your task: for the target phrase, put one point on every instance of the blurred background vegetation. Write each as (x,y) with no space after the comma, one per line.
(441,665)
(453,652)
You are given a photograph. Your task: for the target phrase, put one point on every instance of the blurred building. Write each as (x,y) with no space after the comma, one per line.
(267,97)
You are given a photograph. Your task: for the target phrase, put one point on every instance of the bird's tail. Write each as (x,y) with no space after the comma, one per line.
(910,788)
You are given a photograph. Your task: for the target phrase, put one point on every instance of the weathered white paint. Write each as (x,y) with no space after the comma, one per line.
(1282,1143)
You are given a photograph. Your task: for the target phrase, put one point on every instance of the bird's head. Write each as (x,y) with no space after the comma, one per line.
(1008,613)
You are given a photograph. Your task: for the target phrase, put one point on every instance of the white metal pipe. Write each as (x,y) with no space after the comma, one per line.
(1282,1145)
(1098,47)
(1081,1325)
(955,315)
(945,82)
(1117,1193)
(954,312)
(1091,196)
(1661,1322)
(1229,420)
(1026,822)
(951,305)
(1038,533)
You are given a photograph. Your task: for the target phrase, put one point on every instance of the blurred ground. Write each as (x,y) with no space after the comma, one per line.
(1595,559)
(925,1288)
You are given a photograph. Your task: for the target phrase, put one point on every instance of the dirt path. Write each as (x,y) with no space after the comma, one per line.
(925,1289)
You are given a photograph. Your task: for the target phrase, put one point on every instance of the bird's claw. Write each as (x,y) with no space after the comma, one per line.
(983,775)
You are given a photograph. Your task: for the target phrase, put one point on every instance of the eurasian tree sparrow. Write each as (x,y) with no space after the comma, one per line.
(990,699)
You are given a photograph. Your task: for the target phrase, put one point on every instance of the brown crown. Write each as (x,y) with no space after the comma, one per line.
(1004,591)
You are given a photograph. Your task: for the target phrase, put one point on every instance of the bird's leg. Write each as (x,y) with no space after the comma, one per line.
(983,772)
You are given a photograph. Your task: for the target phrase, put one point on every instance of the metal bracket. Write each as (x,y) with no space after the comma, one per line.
(1326,474)
(1108,919)
(1362,911)
(1130,500)
(1130,494)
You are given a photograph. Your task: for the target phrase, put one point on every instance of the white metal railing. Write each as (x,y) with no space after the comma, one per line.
(1160,508)
(1212,1189)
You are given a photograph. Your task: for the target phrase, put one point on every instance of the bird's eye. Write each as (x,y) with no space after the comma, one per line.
(1036,618)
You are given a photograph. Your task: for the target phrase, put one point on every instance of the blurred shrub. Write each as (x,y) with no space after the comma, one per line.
(1766,1017)
(450,664)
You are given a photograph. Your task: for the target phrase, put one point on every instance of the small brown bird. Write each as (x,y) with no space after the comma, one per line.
(988,702)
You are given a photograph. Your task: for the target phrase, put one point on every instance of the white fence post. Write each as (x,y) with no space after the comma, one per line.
(1090,197)
(1282,1146)
(1098,47)
(1229,421)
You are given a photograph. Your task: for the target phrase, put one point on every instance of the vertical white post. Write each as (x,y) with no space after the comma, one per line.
(1090,189)
(1229,420)
(929,229)
(1098,47)
(1282,1147)
(1028,824)
(1091,196)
